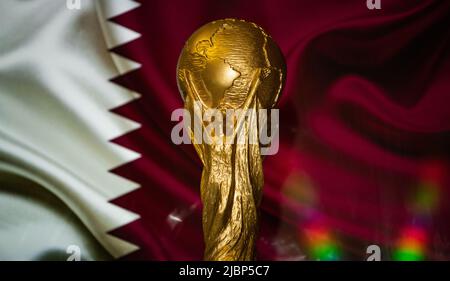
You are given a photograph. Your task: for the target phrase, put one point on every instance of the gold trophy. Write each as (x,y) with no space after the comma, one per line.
(227,65)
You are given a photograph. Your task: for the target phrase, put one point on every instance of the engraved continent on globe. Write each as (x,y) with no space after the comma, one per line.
(221,57)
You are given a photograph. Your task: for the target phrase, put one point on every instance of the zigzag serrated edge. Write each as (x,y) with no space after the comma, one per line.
(116,35)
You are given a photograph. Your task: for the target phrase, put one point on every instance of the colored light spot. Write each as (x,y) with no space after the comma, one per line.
(411,245)
(321,244)
(326,252)
(299,188)
(408,255)
(426,198)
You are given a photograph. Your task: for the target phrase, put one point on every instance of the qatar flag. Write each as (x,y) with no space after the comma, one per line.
(55,127)
(88,166)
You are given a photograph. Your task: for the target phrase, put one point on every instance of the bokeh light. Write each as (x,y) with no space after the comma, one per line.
(411,245)
(427,192)
(321,243)
(425,199)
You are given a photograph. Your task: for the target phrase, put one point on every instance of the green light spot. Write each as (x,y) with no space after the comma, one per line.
(326,252)
(426,197)
(408,255)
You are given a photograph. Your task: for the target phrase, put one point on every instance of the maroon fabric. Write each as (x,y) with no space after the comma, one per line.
(364,124)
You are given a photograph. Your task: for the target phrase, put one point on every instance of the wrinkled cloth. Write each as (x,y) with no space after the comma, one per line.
(55,128)
(364,128)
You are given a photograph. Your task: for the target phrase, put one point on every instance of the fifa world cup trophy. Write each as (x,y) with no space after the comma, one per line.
(234,66)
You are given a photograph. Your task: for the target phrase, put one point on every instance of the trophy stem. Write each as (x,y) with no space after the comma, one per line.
(231,188)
